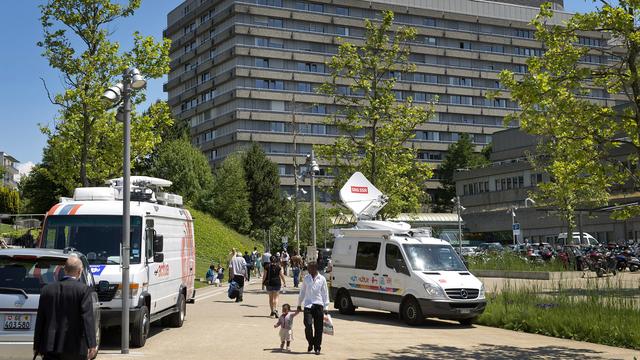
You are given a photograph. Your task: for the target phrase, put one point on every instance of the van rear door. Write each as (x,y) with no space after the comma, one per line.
(365,282)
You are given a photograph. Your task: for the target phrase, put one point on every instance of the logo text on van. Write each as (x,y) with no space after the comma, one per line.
(359,189)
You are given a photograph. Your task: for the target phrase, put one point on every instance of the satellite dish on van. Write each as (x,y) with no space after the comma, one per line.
(362,198)
(142,181)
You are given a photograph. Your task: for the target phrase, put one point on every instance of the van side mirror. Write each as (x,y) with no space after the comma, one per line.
(158,243)
(158,257)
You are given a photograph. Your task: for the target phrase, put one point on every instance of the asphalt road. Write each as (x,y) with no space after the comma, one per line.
(217,328)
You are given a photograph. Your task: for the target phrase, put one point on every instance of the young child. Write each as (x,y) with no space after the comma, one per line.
(220,276)
(285,322)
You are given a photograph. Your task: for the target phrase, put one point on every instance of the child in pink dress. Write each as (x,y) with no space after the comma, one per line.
(285,323)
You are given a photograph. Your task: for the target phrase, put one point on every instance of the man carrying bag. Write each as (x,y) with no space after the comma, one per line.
(314,296)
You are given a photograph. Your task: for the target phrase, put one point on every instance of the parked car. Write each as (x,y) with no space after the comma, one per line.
(469,251)
(587,239)
(23,273)
(492,247)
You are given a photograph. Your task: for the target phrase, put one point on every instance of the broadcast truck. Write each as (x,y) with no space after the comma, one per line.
(162,252)
(389,266)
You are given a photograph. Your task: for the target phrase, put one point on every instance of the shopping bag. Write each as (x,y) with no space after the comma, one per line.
(234,290)
(327,326)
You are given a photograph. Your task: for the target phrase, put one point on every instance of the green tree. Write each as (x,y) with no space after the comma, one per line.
(460,155)
(86,141)
(181,163)
(377,126)
(9,201)
(263,185)
(577,134)
(228,199)
(39,190)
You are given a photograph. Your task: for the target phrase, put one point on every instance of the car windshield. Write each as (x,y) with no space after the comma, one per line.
(96,236)
(28,274)
(433,258)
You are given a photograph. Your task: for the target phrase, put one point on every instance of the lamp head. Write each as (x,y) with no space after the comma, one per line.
(137,80)
(303,191)
(112,95)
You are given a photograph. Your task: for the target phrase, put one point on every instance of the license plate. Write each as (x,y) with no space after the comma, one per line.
(465,311)
(17,322)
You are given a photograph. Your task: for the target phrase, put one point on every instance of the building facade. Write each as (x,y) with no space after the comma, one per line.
(490,193)
(10,172)
(241,71)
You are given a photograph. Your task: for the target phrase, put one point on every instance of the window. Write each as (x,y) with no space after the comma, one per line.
(190,46)
(433,258)
(318,109)
(275,23)
(429,22)
(464,45)
(262,63)
(393,257)
(430,41)
(276,43)
(342,11)
(311,67)
(277,3)
(367,255)
(319,129)
(205,77)
(282,170)
(189,28)
(316,7)
(304,87)
(270,84)
(341,30)
(277,126)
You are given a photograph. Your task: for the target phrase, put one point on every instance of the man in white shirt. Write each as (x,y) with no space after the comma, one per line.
(314,296)
(238,272)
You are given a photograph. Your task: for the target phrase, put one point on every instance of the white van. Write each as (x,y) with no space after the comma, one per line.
(162,261)
(388,266)
(587,239)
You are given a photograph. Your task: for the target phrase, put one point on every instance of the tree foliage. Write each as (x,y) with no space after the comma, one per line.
(181,163)
(228,199)
(9,201)
(578,134)
(377,126)
(460,155)
(263,185)
(85,143)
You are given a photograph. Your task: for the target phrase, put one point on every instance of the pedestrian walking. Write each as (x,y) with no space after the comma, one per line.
(314,297)
(285,262)
(220,275)
(285,323)
(273,280)
(232,256)
(296,266)
(65,324)
(258,265)
(211,274)
(238,273)
(249,261)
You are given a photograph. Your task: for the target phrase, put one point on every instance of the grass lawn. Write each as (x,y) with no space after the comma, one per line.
(608,314)
(511,262)
(214,241)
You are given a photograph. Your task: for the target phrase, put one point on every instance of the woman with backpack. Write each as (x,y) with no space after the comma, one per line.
(274,280)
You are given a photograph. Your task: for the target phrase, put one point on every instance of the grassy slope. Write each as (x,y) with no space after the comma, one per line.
(214,241)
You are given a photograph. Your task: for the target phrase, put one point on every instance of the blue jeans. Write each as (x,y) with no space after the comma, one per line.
(296,276)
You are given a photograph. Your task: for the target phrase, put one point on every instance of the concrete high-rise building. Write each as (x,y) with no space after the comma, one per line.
(241,70)
(9,171)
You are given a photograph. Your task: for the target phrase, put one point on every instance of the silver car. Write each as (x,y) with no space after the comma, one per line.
(23,273)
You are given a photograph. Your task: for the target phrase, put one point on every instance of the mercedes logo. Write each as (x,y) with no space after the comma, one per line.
(463,293)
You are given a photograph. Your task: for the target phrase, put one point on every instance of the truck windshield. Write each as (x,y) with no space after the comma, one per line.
(96,236)
(433,258)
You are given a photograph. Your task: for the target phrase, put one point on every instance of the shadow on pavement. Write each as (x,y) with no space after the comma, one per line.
(111,337)
(486,352)
(279,351)
(385,318)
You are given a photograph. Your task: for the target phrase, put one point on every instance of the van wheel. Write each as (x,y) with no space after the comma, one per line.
(177,318)
(412,313)
(344,304)
(140,329)
(467,322)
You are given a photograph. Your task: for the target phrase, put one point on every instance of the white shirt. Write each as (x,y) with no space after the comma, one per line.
(238,266)
(266,257)
(314,291)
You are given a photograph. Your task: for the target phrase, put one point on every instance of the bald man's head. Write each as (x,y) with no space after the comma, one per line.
(73,266)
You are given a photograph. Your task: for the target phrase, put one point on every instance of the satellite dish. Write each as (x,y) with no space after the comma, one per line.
(142,181)
(362,198)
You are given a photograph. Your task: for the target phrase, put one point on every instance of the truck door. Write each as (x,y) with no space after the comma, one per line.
(364,282)
(393,278)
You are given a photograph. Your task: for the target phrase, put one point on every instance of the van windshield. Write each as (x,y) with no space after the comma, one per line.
(96,236)
(424,257)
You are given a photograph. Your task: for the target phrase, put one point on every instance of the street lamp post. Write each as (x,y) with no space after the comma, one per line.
(512,211)
(313,199)
(121,93)
(459,209)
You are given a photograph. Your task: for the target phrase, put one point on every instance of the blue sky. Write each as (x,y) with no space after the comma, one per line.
(23,99)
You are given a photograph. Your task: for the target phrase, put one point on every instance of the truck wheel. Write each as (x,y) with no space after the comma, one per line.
(177,318)
(412,313)
(140,328)
(467,322)
(344,304)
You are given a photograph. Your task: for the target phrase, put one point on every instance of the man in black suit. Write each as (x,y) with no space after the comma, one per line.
(65,325)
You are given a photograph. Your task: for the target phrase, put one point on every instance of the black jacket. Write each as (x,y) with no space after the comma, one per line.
(65,323)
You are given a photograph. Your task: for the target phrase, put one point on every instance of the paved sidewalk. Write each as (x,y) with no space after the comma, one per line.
(217,328)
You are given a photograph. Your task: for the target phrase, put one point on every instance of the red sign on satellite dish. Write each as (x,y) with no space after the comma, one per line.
(359,189)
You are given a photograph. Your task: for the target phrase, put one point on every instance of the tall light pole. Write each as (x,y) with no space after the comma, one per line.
(512,211)
(121,93)
(295,170)
(459,209)
(314,165)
